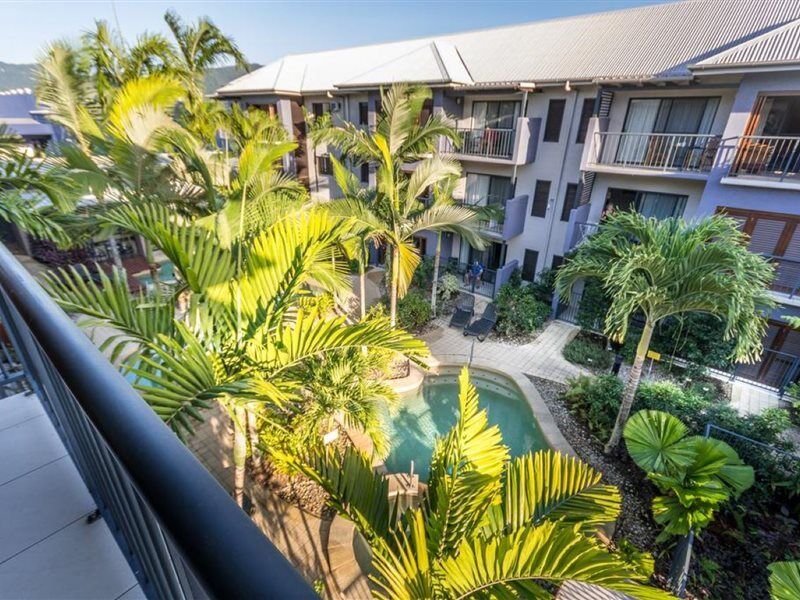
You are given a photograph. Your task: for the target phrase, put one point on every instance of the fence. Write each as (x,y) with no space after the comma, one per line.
(181,532)
(775,370)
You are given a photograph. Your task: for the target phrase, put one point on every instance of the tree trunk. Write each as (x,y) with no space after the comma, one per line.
(362,287)
(112,246)
(239,453)
(151,264)
(395,281)
(255,452)
(436,258)
(631,385)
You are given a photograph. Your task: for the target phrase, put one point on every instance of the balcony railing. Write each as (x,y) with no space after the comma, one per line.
(773,157)
(667,152)
(488,143)
(787,275)
(583,231)
(494,225)
(182,533)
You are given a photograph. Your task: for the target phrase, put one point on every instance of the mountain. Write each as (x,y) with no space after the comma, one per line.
(21,75)
(15,76)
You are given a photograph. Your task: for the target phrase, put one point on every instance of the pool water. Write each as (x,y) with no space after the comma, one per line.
(166,273)
(414,422)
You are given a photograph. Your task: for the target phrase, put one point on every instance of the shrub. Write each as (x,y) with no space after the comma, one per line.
(423,275)
(518,310)
(593,307)
(595,400)
(448,287)
(413,311)
(544,286)
(587,352)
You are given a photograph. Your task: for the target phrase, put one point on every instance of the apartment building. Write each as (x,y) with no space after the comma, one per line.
(678,109)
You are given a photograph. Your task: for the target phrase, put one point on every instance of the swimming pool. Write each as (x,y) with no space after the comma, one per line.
(413,424)
(166,273)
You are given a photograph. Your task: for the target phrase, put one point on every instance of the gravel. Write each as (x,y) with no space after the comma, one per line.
(635,523)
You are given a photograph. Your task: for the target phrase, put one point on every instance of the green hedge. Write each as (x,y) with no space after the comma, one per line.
(519,311)
(588,352)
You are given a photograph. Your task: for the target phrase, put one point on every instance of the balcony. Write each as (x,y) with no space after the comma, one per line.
(787,277)
(489,283)
(688,156)
(766,161)
(514,146)
(100,499)
(508,225)
(580,232)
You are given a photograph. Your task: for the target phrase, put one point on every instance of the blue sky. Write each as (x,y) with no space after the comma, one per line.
(266,30)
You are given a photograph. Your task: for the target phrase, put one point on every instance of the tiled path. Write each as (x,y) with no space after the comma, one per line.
(541,357)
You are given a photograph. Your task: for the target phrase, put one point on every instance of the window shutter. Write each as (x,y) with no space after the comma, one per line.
(540,198)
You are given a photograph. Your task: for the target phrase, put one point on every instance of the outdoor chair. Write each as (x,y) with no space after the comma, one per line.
(483,326)
(465,309)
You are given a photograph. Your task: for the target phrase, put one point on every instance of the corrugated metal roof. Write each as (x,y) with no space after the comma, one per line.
(779,46)
(655,41)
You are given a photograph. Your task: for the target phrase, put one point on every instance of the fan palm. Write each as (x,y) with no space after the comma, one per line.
(488,526)
(397,213)
(694,473)
(659,268)
(244,337)
(784,580)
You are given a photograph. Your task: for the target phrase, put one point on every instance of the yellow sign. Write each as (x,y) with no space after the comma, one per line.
(653,354)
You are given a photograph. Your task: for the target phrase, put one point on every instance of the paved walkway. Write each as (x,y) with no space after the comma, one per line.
(541,357)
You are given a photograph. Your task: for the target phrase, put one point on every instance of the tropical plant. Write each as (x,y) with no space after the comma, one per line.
(519,312)
(595,400)
(413,311)
(695,474)
(589,352)
(448,287)
(488,526)
(25,182)
(243,335)
(784,580)
(340,389)
(659,268)
(395,212)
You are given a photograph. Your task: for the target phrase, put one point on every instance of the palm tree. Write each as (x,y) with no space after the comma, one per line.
(200,46)
(659,268)
(784,580)
(25,182)
(488,525)
(401,138)
(244,337)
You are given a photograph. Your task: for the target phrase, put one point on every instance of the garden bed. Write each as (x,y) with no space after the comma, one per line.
(730,557)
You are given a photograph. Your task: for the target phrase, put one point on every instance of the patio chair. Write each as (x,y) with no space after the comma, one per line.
(465,309)
(483,326)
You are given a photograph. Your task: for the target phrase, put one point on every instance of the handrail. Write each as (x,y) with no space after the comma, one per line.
(488,142)
(223,548)
(767,156)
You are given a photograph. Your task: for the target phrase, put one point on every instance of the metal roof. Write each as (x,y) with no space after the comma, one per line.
(658,41)
(781,45)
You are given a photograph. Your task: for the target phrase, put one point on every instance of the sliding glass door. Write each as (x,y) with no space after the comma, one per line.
(494,114)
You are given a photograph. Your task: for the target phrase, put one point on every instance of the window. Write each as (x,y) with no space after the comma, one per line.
(555,115)
(378,106)
(571,197)
(318,108)
(487,189)
(363,113)
(650,204)
(364,172)
(529,265)
(541,196)
(557,261)
(494,115)
(586,113)
(324,165)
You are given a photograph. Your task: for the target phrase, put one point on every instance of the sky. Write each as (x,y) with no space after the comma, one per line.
(266,30)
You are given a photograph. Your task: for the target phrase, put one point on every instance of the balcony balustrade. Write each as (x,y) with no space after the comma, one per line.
(182,534)
(654,152)
(775,158)
(488,143)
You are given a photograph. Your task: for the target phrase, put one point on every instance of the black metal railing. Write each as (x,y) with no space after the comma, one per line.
(767,156)
(181,532)
(787,274)
(483,285)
